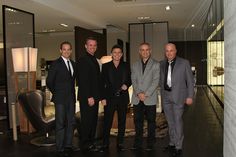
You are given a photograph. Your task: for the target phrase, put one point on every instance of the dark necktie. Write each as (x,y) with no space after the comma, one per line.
(68,63)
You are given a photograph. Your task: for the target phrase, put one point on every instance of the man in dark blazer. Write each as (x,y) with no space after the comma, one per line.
(177,89)
(89,94)
(116,79)
(61,82)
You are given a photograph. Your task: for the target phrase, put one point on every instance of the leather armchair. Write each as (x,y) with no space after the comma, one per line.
(33,104)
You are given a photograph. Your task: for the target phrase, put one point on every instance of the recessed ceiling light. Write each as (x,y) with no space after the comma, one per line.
(192,25)
(143,17)
(11,10)
(63,25)
(167,8)
(52,30)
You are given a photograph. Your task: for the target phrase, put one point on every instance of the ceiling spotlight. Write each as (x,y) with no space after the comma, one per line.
(167,8)
(52,30)
(192,25)
(11,10)
(63,25)
(143,17)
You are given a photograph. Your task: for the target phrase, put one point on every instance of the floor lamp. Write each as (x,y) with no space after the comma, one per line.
(24,64)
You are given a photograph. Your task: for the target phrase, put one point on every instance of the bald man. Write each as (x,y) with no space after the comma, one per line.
(177,89)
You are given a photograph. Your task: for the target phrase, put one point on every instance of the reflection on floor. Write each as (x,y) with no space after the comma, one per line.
(219,91)
(203,137)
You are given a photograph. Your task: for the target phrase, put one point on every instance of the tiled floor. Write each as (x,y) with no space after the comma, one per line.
(203,137)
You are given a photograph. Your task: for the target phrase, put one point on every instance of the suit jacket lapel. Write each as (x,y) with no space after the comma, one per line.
(64,65)
(148,67)
(140,70)
(174,71)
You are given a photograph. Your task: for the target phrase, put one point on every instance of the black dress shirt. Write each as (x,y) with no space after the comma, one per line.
(144,65)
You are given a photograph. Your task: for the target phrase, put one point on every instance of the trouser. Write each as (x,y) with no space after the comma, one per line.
(109,110)
(88,125)
(141,110)
(65,120)
(174,113)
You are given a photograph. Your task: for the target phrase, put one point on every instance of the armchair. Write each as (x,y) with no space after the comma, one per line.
(33,104)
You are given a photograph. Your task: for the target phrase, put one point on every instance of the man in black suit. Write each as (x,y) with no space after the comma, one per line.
(89,94)
(61,82)
(116,78)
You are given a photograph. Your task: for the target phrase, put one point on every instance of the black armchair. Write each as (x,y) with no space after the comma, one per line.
(33,104)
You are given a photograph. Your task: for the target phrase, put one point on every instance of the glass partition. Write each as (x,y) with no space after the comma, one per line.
(213,30)
(18,32)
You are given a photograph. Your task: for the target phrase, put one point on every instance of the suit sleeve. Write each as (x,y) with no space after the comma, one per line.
(155,80)
(134,79)
(103,82)
(189,80)
(52,72)
(128,79)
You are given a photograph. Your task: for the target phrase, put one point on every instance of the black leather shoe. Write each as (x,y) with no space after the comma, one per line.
(104,148)
(62,154)
(169,148)
(71,149)
(149,148)
(136,148)
(120,147)
(177,153)
(93,148)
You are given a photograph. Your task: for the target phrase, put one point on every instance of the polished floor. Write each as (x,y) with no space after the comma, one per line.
(219,91)
(202,127)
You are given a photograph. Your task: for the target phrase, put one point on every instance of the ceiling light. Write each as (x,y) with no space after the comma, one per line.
(52,30)
(63,25)
(11,10)
(140,17)
(167,8)
(143,17)
(15,23)
(192,25)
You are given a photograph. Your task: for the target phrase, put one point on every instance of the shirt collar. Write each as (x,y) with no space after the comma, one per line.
(145,62)
(173,60)
(65,60)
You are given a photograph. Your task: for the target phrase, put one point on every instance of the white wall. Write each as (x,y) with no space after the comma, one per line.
(48,45)
(230,81)
(113,35)
(156,34)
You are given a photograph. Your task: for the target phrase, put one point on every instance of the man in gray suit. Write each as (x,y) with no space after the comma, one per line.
(177,89)
(145,79)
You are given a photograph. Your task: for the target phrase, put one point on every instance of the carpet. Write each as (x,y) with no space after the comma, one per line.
(161,128)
